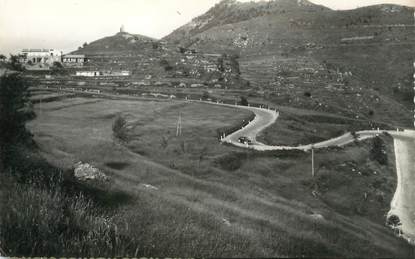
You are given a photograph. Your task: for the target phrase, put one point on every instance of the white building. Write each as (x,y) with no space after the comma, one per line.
(72,60)
(40,56)
(88,73)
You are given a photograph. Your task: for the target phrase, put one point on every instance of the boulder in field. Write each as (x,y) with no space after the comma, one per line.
(87,172)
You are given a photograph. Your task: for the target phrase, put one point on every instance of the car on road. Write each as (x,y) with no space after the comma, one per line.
(245,140)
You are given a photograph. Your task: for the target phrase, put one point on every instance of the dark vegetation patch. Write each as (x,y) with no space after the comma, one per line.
(108,116)
(352,123)
(119,128)
(117,165)
(294,153)
(232,161)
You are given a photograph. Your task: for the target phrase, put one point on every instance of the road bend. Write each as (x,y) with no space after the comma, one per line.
(403,203)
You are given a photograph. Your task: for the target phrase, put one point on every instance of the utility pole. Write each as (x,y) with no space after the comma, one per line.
(312,161)
(179,126)
(40,107)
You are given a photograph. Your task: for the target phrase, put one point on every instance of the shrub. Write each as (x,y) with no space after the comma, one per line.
(232,161)
(166,65)
(393,221)
(14,106)
(15,63)
(371,113)
(378,151)
(118,128)
(205,95)
(243,101)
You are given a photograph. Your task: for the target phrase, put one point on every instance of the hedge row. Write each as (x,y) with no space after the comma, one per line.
(231,129)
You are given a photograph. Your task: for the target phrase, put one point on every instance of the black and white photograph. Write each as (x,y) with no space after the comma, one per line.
(207,129)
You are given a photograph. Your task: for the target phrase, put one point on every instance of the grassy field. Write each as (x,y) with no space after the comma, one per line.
(296,126)
(191,196)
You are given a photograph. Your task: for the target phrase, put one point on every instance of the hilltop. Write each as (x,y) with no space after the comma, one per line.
(121,42)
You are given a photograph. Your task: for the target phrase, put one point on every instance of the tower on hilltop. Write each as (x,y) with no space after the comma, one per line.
(122,29)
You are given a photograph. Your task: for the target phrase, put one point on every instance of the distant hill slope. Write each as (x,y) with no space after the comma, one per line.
(232,11)
(246,26)
(288,47)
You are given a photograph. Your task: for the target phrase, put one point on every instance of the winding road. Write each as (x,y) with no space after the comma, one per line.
(402,205)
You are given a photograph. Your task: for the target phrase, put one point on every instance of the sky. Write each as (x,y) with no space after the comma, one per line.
(67,24)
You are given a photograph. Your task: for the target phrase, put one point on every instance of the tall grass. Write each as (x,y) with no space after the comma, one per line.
(49,222)
(38,221)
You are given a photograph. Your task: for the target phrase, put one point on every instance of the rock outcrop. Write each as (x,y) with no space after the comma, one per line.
(87,172)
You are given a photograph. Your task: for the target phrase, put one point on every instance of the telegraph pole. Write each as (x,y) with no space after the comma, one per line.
(312,161)
(40,107)
(179,126)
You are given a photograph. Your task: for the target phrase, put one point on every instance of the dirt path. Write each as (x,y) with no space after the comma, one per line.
(403,203)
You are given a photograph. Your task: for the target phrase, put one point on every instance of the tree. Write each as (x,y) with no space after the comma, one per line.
(57,65)
(85,44)
(57,68)
(118,127)
(14,112)
(393,221)
(371,113)
(182,50)
(234,64)
(205,95)
(219,64)
(244,101)
(15,63)
(156,45)
(378,151)
(2,57)
(166,65)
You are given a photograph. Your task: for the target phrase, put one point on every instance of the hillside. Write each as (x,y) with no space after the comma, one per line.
(151,60)
(231,11)
(291,48)
(121,42)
